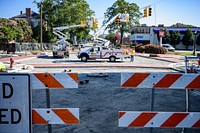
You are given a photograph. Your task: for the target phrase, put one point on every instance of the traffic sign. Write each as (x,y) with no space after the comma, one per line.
(161,34)
(15,103)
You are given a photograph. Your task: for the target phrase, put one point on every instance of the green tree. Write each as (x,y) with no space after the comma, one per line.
(17,30)
(47,35)
(7,31)
(188,38)
(175,38)
(121,6)
(24,31)
(182,25)
(111,37)
(198,39)
(166,39)
(65,13)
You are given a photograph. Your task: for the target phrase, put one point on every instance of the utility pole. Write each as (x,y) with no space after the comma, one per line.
(194,44)
(41,45)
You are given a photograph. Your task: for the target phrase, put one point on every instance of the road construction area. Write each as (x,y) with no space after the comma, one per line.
(101,98)
(42,62)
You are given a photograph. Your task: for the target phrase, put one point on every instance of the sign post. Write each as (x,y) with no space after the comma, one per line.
(161,35)
(15,103)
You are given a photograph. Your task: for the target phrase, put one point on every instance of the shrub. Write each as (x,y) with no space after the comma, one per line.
(150,48)
(139,48)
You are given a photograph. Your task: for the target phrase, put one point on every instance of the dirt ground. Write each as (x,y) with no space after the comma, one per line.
(101,99)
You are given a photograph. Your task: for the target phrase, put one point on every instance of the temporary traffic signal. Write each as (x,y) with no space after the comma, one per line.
(82,22)
(117,21)
(145,12)
(150,11)
(96,24)
(127,19)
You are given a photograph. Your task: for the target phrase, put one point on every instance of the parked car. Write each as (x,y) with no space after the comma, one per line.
(169,47)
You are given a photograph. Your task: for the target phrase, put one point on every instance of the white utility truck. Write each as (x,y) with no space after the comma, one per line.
(99,52)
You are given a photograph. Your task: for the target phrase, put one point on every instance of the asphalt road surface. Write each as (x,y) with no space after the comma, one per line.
(97,65)
(102,98)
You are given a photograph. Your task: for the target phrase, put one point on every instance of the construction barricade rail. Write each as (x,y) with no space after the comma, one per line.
(159,119)
(55,116)
(16,101)
(160,80)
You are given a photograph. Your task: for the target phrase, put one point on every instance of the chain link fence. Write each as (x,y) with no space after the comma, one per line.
(19,47)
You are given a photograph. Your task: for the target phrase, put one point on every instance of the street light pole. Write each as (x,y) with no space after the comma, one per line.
(194,44)
(41,45)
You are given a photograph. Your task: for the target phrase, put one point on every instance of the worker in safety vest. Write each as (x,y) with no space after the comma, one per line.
(132,53)
(2,67)
(125,51)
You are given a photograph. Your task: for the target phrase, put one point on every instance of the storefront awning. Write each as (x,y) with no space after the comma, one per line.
(170,29)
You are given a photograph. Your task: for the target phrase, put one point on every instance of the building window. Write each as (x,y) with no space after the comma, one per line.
(141,30)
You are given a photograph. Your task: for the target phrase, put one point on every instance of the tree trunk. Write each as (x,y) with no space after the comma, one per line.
(72,37)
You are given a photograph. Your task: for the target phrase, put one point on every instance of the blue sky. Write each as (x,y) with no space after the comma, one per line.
(165,12)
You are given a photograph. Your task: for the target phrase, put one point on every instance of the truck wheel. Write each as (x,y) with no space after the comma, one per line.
(66,54)
(112,58)
(54,55)
(84,58)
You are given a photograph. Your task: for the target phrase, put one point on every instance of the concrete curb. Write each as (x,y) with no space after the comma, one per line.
(72,66)
(157,58)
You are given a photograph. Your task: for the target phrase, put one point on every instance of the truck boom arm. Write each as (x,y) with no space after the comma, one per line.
(67,27)
(62,36)
(104,26)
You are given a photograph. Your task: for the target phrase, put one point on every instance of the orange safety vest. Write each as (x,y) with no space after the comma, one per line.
(132,52)
(125,51)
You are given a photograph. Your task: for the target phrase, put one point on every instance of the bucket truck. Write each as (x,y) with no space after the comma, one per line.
(101,51)
(62,47)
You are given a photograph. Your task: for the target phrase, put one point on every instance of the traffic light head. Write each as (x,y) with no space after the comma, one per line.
(82,23)
(145,12)
(96,24)
(127,19)
(117,21)
(150,11)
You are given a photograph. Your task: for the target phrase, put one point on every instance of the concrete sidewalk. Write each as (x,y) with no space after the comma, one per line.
(17,58)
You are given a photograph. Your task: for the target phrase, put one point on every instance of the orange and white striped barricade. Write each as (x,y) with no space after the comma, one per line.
(54,80)
(160,80)
(55,116)
(159,119)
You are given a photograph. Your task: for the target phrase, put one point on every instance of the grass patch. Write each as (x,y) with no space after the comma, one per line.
(35,52)
(184,53)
